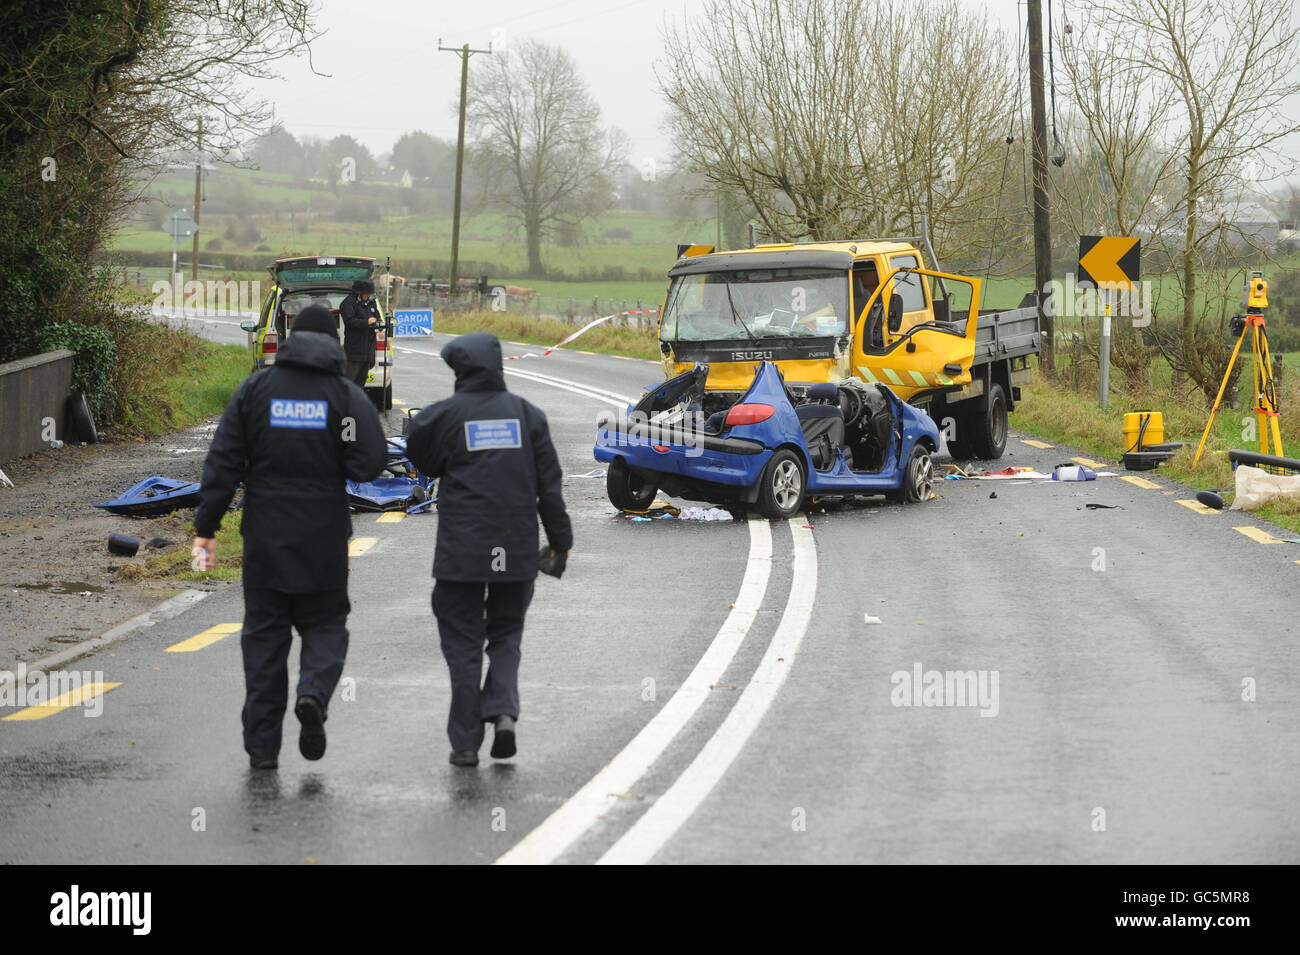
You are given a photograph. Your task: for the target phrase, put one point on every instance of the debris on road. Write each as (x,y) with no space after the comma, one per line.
(705,514)
(123,545)
(1210,499)
(868,619)
(593,473)
(386,494)
(1092,506)
(1073,472)
(153,496)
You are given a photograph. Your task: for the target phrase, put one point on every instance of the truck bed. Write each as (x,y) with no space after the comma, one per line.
(1005,333)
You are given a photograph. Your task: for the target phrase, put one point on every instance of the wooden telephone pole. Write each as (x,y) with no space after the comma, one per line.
(1042,211)
(198,198)
(464,52)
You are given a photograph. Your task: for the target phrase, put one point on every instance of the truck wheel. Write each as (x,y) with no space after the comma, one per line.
(626,491)
(987,430)
(780,487)
(918,478)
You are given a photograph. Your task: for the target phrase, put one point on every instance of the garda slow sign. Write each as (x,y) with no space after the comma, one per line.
(412,321)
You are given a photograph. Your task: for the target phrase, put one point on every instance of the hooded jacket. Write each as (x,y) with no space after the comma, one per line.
(358,334)
(293,433)
(497,471)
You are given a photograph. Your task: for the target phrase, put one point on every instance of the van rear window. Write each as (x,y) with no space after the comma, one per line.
(336,273)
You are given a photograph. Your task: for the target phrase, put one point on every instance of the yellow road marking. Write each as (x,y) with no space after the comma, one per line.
(1196,506)
(1257,535)
(1036,444)
(398,401)
(390,517)
(1089,462)
(63,701)
(581,352)
(359,545)
(1139,482)
(205,639)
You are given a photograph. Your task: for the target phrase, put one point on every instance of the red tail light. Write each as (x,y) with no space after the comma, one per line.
(748,414)
(269,343)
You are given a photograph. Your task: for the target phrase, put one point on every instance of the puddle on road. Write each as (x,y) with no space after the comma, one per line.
(64,587)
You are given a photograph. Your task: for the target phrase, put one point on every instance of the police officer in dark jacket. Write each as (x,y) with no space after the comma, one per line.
(292,434)
(360,317)
(497,471)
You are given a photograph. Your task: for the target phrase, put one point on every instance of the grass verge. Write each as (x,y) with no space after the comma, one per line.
(511,326)
(174,564)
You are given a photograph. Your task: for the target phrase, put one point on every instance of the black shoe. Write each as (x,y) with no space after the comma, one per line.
(503,741)
(263,762)
(311,739)
(463,757)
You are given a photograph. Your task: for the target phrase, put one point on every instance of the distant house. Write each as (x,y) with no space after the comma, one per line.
(1248,222)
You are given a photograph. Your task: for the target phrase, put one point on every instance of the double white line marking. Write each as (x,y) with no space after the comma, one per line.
(567,824)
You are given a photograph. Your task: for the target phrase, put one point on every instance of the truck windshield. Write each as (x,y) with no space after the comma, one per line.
(766,303)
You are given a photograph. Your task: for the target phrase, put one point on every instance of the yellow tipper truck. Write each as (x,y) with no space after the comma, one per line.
(868,309)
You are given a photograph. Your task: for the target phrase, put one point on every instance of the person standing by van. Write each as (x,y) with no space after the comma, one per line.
(360,315)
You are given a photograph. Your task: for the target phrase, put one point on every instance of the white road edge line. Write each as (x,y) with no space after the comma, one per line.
(171,607)
(587,391)
(567,824)
(671,810)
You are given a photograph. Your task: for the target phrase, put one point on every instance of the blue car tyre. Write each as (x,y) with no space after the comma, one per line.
(780,486)
(626,491)
(918,478)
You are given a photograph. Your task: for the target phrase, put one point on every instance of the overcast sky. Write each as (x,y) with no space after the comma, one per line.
(386,76)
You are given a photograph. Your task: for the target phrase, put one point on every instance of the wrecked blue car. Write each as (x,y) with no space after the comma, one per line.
(775,446)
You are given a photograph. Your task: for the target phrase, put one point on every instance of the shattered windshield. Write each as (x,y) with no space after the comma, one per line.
(757,303)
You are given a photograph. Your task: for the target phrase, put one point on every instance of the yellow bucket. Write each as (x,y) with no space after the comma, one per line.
(1134,423)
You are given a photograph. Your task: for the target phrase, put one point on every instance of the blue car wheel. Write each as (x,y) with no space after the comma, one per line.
(780,486)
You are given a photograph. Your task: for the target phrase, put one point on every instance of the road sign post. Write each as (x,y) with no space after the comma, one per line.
(1108,263)
(179,226)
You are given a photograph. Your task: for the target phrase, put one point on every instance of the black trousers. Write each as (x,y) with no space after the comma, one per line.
(357,370)
(468,619)
(321,621)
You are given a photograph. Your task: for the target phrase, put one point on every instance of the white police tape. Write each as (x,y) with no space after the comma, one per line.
(580,331)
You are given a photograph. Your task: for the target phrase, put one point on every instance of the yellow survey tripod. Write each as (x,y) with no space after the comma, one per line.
(1265,390)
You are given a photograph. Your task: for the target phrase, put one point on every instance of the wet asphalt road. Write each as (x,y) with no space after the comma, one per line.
(689,697)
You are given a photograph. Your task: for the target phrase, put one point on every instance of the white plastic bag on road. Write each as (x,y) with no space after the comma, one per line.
(704,514)
(1256,487)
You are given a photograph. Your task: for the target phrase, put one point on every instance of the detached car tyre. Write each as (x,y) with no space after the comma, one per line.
(918,479)
(780,487)
(626,491)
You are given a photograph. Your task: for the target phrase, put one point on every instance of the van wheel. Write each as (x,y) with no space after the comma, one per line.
(626,491)
(987,431)
(780,487)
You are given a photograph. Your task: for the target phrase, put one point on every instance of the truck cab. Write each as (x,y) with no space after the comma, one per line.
(868,309)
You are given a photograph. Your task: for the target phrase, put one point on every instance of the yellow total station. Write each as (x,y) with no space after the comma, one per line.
(1269,430)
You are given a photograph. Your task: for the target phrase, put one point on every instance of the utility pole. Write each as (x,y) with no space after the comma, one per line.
(1042,212)
(198,198)
(465,52)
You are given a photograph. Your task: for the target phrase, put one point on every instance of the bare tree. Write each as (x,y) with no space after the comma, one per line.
(1216,74)
(841,118)
(537,132)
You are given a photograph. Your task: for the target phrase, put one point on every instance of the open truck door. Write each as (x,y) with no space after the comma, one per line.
(912,340)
